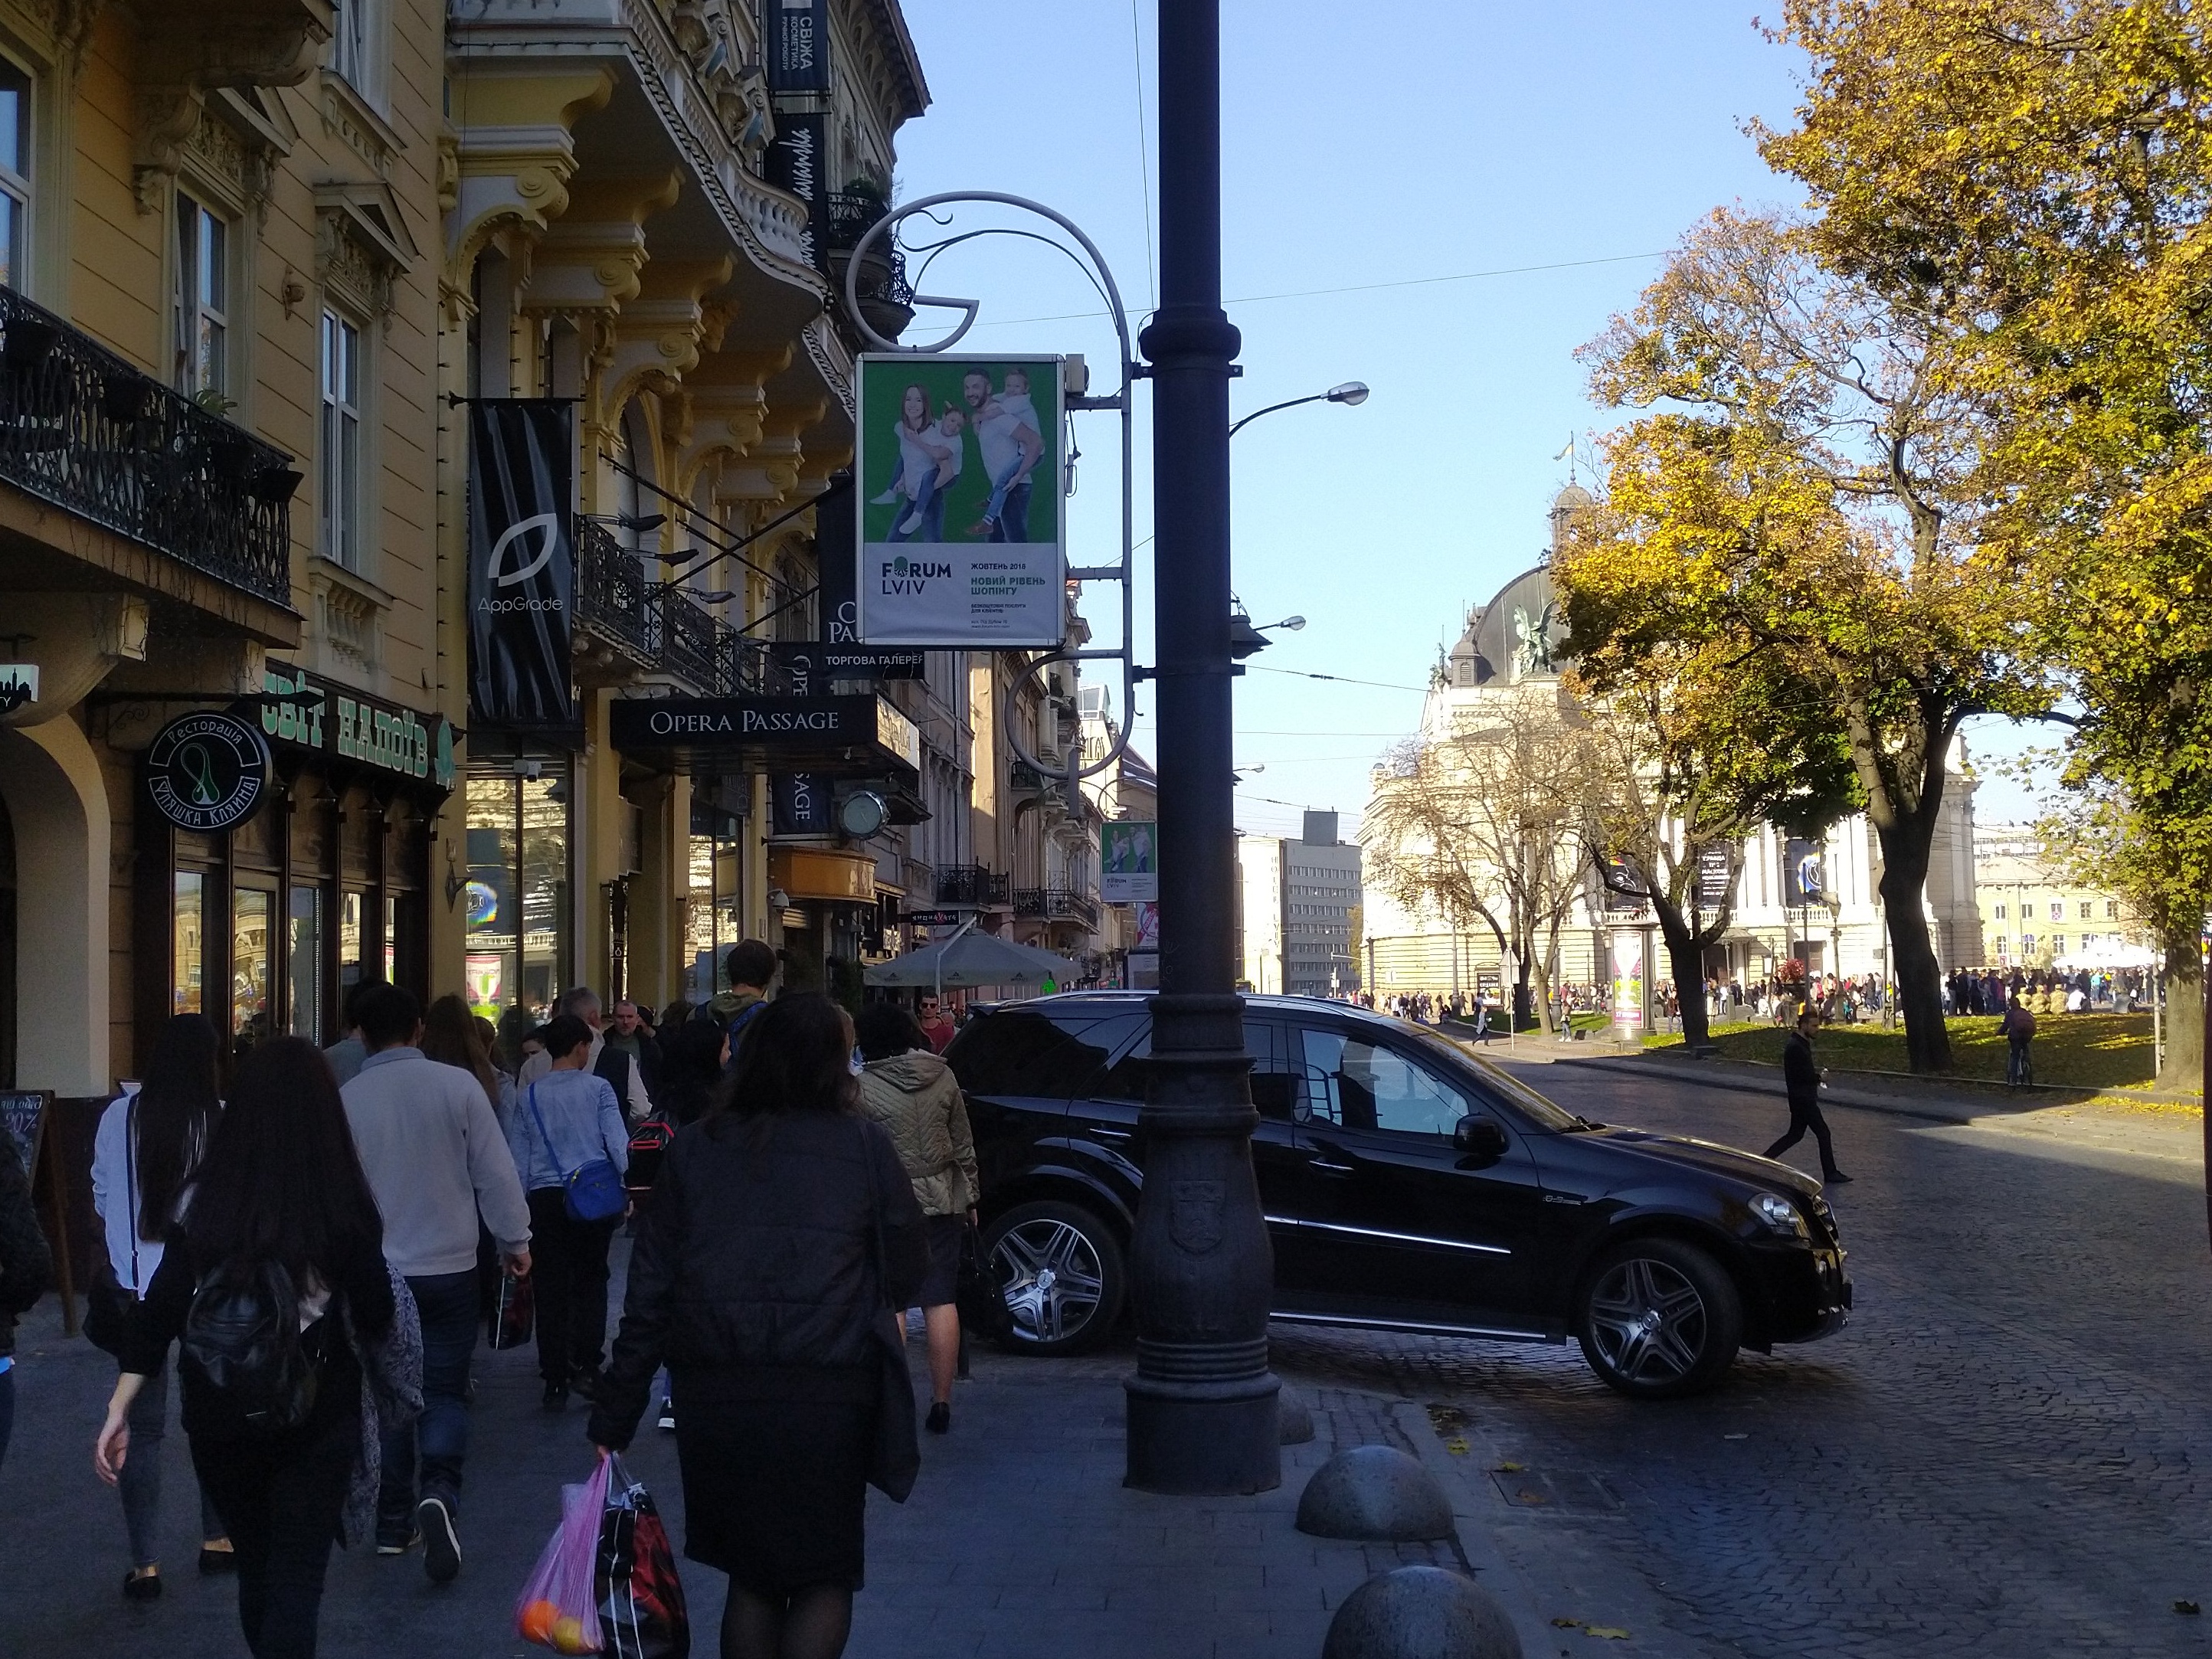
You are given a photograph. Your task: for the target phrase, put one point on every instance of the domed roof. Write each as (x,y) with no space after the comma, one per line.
(1572,499)
(1517,635)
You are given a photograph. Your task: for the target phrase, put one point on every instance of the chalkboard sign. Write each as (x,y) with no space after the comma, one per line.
(23,1113)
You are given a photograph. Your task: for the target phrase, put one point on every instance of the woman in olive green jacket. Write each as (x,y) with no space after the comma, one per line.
(913,1094)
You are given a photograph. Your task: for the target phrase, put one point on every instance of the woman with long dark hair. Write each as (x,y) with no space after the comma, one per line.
(278,1220)
(450,1037)
(781,1227)
(147,1147)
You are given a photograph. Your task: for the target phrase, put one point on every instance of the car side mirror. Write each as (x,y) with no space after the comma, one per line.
(1479,1137)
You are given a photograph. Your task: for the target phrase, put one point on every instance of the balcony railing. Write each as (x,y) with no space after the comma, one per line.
(971,883)
(661,630)
(886,296)
(1056,904)
(81,428)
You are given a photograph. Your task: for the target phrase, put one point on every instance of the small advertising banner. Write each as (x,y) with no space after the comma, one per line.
(959,502)
(798,160)
(1715,876)
(1128,863)
(798,46)
(1804,874)
(522,561)
(1631,985)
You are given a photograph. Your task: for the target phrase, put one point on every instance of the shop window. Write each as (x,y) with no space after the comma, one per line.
(349,927)
(304,963)
(517,895)
(252,947)
(14,175)
(188,955)
(201,299)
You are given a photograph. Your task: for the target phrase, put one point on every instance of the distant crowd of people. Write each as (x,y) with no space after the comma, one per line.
(321,1242)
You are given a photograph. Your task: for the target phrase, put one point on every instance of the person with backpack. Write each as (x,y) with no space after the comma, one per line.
(781,1234)
(143,1153)
(751,965)
(2018,1025)
(567,1129)
(430,1145)
(27,1271)
(295,1339)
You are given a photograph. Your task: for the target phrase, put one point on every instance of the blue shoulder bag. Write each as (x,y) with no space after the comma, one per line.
(592,1191)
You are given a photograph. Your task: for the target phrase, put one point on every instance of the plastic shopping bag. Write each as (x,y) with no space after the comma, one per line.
(640,1597)
(515,1316)
(557,1608)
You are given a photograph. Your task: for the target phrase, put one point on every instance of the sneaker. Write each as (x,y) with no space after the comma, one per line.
(940,1417)
(396,1537)
(555,1397)
(1837,1180)
(441,1547)
(913,523)
(587,1382)
(668,1416)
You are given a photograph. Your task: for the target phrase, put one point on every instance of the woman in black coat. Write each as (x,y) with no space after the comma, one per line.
(781,1227)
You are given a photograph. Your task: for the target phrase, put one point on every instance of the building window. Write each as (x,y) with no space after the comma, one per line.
(2057,910)
(15,174)
(188,955)
(2085,910)
(2058,944)
(351,32)
(203,298)
(2000,913)
(252,950)
(341,442)
(2027,944)
(2112,909)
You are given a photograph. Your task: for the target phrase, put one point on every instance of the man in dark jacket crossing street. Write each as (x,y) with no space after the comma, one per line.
(1800,1076)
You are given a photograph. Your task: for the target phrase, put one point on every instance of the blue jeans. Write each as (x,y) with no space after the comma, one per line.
(927,502)
(7,1409)
(447,1305)
(1013,525)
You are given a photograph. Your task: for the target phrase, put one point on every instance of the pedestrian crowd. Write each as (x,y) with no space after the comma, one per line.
(320,1243)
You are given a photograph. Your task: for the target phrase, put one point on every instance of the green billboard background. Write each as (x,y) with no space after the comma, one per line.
(883,385)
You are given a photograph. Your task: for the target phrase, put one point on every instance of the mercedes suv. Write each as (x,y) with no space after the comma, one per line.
(1407,1186)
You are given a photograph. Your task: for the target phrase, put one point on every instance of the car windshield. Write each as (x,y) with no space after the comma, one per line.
(1540,1113)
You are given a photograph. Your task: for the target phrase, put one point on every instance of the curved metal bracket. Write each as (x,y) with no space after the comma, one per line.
(1075,771)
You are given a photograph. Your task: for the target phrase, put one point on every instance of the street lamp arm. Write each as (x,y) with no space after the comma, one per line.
(1315,397)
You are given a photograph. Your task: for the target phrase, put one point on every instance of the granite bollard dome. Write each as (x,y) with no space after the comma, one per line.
(1420,1612)
(1375,1492)
(1293,1421)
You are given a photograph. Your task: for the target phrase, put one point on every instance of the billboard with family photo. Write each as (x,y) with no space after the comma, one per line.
(960,502)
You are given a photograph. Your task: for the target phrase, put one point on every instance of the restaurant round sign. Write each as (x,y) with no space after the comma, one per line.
(207,772)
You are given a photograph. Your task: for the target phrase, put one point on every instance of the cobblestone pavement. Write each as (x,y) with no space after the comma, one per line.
(1997,1457)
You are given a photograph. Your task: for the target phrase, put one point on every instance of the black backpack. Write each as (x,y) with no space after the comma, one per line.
(243,1344)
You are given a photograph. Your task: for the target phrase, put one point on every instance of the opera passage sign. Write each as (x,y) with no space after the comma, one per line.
(959,500)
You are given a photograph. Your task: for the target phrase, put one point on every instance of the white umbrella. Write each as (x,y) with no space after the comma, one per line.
(969,959)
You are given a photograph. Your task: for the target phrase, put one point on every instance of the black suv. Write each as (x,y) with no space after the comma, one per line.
(1407,1186)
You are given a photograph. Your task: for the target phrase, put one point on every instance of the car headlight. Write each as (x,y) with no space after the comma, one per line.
(1778,1213)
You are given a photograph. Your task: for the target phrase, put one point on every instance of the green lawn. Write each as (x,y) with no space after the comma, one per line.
(2100,1051)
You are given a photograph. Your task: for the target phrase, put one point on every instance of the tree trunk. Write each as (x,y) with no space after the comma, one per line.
(1540,986)
(2185,1019)
(1687,957)
(1912,952)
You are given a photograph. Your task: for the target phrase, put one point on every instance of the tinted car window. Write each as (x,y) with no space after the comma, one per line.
(1274,1082)
(1359,1084)
(1017,1052)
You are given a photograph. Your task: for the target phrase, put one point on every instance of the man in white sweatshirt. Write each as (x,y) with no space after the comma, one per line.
(431,1146)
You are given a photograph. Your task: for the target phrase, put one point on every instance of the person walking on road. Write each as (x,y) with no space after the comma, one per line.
(27,1269)
(937,1026)
(2018,1025)
(905,1087)
(1801,1077)
(143,1153)
(751,966)
(566,1119)
(781,1228)
(431,1148)
(633,1036)
(275,1282)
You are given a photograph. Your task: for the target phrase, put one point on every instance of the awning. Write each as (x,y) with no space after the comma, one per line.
(837,736)
(974,959)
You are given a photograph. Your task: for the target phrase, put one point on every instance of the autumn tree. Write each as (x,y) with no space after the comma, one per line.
(1798,501)
(1487,823)
(2039,174)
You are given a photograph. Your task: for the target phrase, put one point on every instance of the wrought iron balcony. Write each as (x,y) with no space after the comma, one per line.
(971,883)
(84,430)
(886,296)
(661,630)
(1056,904)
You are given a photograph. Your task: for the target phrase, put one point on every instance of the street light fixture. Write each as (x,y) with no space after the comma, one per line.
(1350,394)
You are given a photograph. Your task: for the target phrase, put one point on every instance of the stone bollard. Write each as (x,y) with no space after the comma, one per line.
(1420,1612)
(1375,1492)
(1294,1422)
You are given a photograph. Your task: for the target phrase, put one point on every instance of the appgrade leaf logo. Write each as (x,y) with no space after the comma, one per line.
(548,527)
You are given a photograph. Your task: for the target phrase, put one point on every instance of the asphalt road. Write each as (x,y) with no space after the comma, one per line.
(1998,1457)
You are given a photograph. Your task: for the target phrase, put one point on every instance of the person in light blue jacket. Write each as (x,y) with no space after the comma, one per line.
(564,1120)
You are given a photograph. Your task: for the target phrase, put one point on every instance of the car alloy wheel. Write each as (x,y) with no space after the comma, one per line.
(1660,1319)
(1060,1273)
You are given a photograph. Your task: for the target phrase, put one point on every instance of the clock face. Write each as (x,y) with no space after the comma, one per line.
(207,772)
(861,815)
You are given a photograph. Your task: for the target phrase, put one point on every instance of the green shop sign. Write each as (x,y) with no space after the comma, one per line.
(344,725)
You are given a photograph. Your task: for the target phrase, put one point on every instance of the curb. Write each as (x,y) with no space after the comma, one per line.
(1932,1111)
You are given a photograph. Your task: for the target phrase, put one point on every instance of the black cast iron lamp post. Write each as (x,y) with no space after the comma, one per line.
(1202,1402)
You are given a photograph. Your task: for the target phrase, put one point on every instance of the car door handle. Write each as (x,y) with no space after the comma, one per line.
(1329,1169)
(1104,1134)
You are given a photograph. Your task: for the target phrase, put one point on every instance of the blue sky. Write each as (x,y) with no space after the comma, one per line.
(1369,149)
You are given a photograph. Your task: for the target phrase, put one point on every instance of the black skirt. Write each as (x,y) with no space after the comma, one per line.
(941,1284)
(774,1468)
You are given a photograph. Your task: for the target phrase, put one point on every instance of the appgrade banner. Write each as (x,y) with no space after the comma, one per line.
(522,561)
(959,502)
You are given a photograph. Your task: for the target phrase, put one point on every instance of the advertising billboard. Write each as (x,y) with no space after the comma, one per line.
(1128,863)
(959,502)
